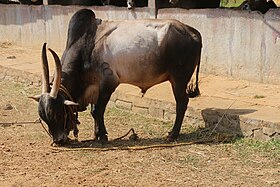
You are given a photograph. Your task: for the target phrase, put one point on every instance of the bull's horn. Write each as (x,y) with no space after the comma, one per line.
(57,75)
(70,103)
(45,76)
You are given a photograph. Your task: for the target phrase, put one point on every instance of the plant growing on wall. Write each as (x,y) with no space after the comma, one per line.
(231,3)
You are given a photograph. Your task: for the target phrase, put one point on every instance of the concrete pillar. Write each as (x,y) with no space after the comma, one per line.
(47,2)
(152,4)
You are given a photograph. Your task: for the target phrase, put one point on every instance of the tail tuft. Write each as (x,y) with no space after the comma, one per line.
(193,91)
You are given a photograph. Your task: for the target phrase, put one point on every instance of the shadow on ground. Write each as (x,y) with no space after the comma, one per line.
(225,121)
(221,126)
(141,144)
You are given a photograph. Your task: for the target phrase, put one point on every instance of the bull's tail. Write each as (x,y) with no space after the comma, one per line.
(193,90)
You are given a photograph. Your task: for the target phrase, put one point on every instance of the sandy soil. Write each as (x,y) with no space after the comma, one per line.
(27,159)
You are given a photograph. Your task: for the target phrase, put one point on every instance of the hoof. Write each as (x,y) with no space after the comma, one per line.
(103,139)
(171,137)
(95,138)
(134,137)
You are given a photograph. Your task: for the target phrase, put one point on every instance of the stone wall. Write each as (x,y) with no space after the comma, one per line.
(31,26)
(238,44)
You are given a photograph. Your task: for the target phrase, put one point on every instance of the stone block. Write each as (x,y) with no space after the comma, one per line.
(247,129)
(276,136)
(156,112)
(140,110)
(125,97)
(259,135)
(124,105)
(114,96)
(141,101)
(270,131)
(111,104)
(169,115)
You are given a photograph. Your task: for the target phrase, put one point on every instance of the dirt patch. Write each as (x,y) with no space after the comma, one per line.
(27,159)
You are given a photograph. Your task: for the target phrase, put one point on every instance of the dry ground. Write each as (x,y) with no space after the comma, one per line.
(27,159)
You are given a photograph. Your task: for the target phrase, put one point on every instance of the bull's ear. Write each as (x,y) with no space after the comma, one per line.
(70,103)
(36,97)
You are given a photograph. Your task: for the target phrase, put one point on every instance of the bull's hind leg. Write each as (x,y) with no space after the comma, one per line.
(182,100)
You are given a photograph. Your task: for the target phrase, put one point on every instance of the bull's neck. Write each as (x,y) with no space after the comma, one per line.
(71,84)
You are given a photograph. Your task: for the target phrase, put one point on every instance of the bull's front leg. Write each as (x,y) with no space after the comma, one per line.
(108,84)
(97,113)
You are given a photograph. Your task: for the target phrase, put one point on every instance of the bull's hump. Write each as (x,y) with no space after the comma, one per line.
(131,32)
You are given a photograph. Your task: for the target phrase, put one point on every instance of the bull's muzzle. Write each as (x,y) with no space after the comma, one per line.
(60,139)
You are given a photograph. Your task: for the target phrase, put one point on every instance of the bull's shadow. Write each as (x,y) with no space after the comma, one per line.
(220,125)
(139,144)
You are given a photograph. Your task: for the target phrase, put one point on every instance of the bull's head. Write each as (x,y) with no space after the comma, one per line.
(52,105)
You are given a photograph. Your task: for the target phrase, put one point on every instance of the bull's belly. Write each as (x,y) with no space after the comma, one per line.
(142,71)
(136,57)
(144,82)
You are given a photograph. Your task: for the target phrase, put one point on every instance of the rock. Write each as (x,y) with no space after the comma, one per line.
(259,135)
(8,107)
(11,57)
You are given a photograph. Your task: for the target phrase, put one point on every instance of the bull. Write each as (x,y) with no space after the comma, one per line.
(100,55)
